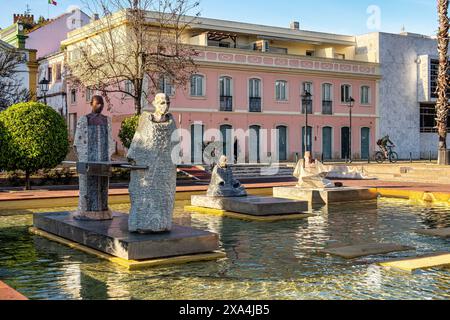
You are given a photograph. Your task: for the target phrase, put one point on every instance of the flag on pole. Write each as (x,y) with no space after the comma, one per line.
(53,2)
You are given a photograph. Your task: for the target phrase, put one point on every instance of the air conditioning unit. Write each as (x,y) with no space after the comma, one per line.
(261,45)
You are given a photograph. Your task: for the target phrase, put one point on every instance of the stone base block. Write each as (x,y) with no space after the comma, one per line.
(112,237)
(325,196)
(252,205)
(435,260)
(441,233)
(357,251)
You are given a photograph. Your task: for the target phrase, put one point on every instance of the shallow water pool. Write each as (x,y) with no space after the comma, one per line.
(264,260)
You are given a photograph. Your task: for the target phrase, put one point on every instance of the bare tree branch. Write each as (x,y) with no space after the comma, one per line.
(135,41)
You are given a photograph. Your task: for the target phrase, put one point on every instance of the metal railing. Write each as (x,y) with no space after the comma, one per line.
(255,104)
(226,103)
(310,107)
(327,107)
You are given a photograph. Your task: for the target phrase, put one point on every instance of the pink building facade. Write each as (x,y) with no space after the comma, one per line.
(241,89)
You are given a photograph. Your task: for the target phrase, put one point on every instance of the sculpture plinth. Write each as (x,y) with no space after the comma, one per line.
(227,194)
(148,232)
(316,189)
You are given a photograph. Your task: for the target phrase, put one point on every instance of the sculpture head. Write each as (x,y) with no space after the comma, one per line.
(97,104)
(223,162)
(161,104)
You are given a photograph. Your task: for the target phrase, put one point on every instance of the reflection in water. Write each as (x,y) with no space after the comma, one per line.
(264,260)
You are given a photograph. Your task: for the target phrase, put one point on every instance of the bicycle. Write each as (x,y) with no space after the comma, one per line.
(380,156)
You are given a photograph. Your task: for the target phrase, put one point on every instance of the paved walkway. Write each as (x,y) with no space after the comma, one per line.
(7,293)
(381,185)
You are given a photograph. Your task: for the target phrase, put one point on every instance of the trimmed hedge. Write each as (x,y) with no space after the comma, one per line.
(34,137)
(127,130)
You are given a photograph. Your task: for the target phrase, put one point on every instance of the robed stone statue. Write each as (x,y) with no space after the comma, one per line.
(94,144)
(152,191)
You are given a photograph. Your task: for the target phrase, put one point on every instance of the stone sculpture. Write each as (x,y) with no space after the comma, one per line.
(94,144)
(222,182)
(152,191)
(311,174)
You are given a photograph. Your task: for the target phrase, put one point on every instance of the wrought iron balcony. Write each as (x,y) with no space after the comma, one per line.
(310,107)
(226,103)
(255,104)
(327,107)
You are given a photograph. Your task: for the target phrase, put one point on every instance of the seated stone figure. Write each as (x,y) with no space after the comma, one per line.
(311,174)
(222,182)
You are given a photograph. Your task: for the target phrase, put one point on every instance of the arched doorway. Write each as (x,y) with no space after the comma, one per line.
(282,143)
(254,144)
(327,143)
(365,143)
(226,131)
(307,140)
(197,134)
(345,146)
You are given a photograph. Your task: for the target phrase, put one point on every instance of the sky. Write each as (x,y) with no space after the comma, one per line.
(349,17)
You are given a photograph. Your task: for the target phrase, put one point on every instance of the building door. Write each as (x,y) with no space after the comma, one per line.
(345,136)
(254,144)
(307,140)
(227,140)
(365,143)
(197,134)
(327,141)
(282,143)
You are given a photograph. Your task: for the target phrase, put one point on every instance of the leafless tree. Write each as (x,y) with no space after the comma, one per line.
(11,86)
(133,46)
(443,80)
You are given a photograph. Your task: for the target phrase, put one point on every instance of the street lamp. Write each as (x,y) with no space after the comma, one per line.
(306,101)
(43,86)
(351,103)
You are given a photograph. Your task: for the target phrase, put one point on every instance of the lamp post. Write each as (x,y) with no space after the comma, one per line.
(351,103)
(43,86)
(306,101)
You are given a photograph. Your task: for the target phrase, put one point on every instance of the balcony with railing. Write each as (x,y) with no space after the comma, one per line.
(307,105)
(327,107)
(255,104)
(226,103)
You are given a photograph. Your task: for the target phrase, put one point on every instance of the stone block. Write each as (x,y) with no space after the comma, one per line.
(441,233)
(252,205)
(112,237)
(325,196)
(357,251)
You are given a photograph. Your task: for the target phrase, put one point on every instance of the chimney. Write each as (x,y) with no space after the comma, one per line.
(295,25)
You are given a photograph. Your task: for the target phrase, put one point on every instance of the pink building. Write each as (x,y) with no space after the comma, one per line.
(255,77)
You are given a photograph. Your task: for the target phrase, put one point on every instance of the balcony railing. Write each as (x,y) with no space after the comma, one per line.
(310,107)
(327,107)
(255,104)
(226,103)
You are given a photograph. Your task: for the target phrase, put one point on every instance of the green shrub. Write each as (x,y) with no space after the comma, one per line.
(127,130)
(35,137)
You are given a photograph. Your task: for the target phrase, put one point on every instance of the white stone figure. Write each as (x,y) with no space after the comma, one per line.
(152,191)
(311,174)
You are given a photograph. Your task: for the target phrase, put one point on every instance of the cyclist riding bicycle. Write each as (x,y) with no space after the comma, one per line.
(383,144)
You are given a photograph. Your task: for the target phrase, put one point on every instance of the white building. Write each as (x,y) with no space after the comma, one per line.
(406,91)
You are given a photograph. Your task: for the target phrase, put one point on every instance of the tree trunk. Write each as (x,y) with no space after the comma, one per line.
(442,102)
(27,180)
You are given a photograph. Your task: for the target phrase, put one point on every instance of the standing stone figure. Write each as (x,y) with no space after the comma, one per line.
(223,183)
(152,191)
(94,143)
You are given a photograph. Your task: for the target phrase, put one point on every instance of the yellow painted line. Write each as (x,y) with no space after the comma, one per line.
(131,264)
(246,217)
(424,262)
(423,196)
